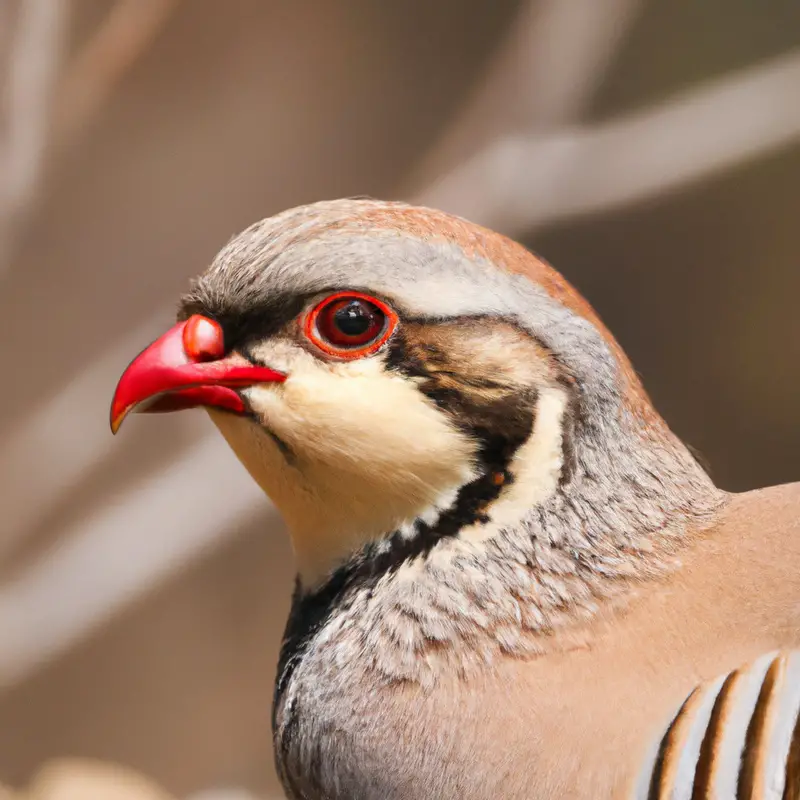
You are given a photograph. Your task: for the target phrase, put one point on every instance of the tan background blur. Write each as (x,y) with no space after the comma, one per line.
(649,149)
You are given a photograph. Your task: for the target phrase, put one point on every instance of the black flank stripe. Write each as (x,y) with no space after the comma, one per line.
(791,789)
(666,746)
(757,735)
(701,789)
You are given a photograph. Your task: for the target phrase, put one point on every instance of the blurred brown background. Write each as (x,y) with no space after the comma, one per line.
(650,149)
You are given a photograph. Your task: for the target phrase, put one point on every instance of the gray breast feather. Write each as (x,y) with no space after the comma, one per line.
(734,738)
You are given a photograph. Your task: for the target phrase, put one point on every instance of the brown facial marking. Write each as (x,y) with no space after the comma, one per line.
(485,373)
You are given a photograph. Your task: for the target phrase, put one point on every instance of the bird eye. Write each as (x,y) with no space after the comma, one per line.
(350,325)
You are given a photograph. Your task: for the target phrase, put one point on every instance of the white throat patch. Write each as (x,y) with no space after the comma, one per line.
(368,453)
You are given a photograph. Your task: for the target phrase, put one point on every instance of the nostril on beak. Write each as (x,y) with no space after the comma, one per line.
(203,339)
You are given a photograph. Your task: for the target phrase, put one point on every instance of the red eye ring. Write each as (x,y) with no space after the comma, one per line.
(323,324)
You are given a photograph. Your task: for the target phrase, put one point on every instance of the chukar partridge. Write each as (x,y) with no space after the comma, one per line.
(513,580)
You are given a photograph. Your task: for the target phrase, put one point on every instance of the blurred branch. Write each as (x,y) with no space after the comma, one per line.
(35,56)
(72,449)
(542,76)
(102,565)
(523,181)
(124,35)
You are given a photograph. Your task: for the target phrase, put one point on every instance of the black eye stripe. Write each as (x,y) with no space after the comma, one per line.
(246,326)
(251,322)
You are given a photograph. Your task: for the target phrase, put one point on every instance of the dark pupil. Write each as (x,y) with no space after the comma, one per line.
(354,319)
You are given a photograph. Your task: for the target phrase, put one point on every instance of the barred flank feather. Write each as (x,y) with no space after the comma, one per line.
(734,738)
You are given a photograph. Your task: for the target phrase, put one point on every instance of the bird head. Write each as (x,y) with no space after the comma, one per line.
(393,376)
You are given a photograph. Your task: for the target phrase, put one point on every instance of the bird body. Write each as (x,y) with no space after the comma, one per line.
(511,573)
(581,720)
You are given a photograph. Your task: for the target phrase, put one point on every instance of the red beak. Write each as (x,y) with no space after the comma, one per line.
(186,367)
